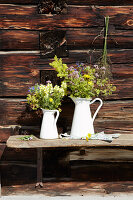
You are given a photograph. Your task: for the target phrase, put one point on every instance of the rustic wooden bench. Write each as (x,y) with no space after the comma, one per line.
(125,140)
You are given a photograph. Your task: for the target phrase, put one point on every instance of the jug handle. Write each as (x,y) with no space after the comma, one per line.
(101,103)
(57,115)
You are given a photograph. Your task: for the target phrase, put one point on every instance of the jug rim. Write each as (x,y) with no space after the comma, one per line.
(46,110)
(80,98)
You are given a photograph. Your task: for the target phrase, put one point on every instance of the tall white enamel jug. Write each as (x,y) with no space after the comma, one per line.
(82,123)
(48,127)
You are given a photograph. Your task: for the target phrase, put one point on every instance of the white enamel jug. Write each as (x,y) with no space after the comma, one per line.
(48,127)
(82,120)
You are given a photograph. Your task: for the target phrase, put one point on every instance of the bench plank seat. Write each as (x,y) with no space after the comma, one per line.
(125,140)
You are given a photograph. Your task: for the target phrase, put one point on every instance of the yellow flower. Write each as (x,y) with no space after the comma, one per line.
(90,83)
(86,76)
(51,100)
(88,136)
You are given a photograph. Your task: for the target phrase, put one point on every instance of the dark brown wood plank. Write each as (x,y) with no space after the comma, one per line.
(21,156)
(74,2)
(19,40)
(122,70)
(5,132)
(124,88)
(122,56)
(15,111)
(107,154)
(19,2)
(38,22)
(19,17)
(15,142)
(117,110)
(76,39)
(19,72)
(94,38)
(23,69)
(112,114)
(32,58)
(2,148)
(101,2)
(18,68)
(16,108)
(18,10)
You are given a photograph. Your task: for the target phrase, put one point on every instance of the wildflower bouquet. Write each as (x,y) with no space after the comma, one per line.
(82,80)
(46,96)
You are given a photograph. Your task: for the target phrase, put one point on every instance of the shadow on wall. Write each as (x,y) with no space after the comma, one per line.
(30,120)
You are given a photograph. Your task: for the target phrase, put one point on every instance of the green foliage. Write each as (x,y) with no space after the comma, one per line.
(84,81)
(46,96)
(59,67)
(27,137)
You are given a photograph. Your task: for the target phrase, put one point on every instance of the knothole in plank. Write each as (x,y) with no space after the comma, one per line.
(53,43)
(52,6)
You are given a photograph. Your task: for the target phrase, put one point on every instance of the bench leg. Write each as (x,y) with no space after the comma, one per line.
(2,148)
(39,167)
(0,182)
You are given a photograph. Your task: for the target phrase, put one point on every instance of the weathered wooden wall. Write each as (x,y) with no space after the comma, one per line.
(22,60)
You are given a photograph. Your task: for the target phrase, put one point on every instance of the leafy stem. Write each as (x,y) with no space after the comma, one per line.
(104,56)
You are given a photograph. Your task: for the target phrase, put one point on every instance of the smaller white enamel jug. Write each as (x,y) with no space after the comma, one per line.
(82,123)
(48,127)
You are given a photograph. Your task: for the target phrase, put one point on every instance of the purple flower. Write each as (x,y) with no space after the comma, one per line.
(75,74)
(81,65)
(82,79)
(71,68)
(96,74)
(78,64)
(104,68)
(48,82)
(31,89)
(71,83)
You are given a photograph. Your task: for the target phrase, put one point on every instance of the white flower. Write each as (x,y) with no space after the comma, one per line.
(64,85)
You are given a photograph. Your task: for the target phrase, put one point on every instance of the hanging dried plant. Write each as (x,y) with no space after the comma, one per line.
(104,60)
